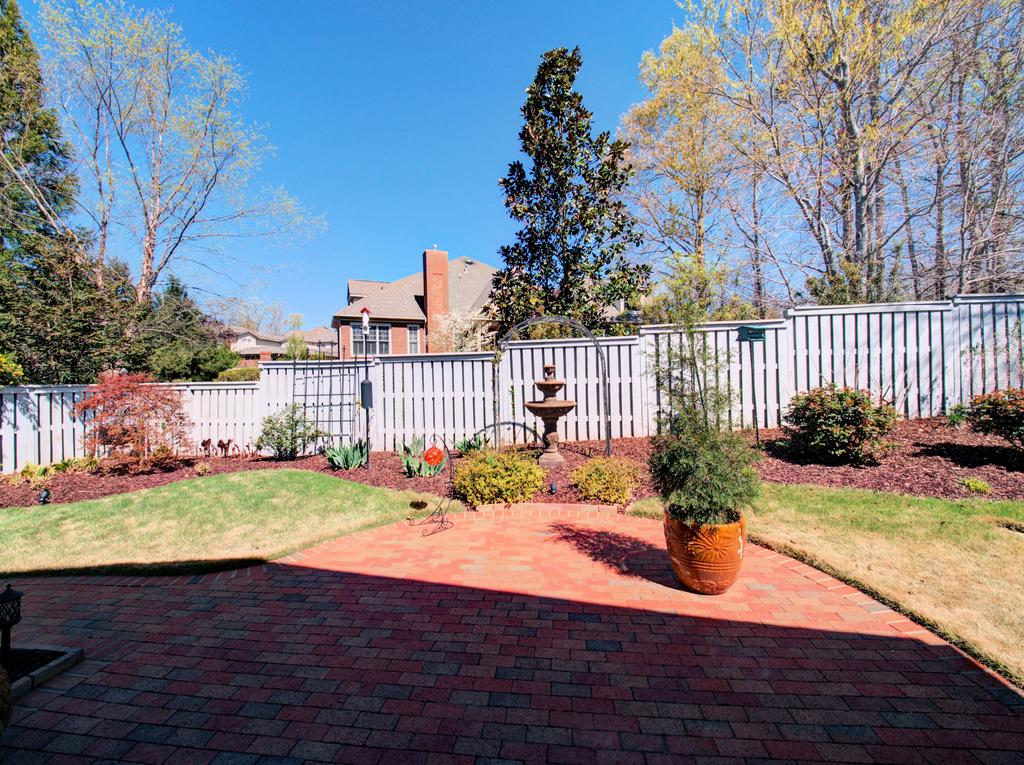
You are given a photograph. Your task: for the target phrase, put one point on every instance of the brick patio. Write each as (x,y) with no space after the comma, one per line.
(525,636)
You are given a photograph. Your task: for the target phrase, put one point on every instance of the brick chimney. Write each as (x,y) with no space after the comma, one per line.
(435,295)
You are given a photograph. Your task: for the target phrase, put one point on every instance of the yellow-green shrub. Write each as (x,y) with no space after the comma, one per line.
(607,479)
(239,374)
(497,477)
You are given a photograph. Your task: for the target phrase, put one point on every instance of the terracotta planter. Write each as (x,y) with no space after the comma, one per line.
(706,559)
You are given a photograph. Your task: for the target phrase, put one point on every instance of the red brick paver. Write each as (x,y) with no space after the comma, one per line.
(522,636)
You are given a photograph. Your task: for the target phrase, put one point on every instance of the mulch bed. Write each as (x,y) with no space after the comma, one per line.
(928,459)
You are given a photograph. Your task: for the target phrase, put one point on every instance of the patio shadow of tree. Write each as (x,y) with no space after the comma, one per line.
(400,668)
(620,552)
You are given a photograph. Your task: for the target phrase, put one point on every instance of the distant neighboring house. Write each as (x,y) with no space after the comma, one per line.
(414,314)
(254,346)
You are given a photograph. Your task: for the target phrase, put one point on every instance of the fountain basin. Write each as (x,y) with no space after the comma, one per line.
(551,407)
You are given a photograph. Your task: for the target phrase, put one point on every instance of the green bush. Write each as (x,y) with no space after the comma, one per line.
(32,474)
(607,479)
(88,464)
(239,374)
(490,476)
(976,485)
(287,433)
(703,476)
(999,414)
(957,415)
(838,425)
(11,372)
(347,456)
(413,463)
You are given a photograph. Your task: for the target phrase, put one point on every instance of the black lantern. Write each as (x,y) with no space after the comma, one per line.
(10,614)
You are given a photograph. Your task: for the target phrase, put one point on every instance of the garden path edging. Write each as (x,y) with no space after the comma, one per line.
(69,657)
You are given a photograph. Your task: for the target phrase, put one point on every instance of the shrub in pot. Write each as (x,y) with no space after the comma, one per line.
(706,479)
(838,425)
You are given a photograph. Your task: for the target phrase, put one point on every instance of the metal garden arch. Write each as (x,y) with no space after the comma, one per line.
(513,333)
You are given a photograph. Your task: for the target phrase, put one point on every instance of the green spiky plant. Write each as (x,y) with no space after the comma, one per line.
(347,456)
(467,446)
(413,463)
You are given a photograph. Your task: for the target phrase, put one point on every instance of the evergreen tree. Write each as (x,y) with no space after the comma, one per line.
(35,174)
(569,255)
(54,319)
(183,342)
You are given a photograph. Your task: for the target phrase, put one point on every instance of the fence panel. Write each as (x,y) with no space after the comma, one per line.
(222,412)
(765,378)
(922,356)
(896,351)
(991,343)
(448,395)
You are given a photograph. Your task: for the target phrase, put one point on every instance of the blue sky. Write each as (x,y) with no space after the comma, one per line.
(396,120)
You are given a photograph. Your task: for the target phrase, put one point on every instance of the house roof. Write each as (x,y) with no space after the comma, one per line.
(469,287)
(315,335)
(319,335)
(237,331)
(362,287)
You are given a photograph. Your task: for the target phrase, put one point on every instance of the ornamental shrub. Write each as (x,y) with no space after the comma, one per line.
(490,476)
(287,433)
(239,374)
(999,414)
(131,415)
(838,425)
(11,372)
(956,416)
(607,479)
(704,476)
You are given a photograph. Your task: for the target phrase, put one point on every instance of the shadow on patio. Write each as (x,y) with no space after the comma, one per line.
(302,662)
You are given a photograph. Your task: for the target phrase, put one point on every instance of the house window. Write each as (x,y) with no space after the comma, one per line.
(375,341)
(414,338)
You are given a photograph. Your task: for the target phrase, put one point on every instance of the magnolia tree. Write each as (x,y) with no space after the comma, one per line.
(130,414)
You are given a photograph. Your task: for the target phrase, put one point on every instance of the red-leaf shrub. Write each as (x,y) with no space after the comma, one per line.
(999,414)
(133,415)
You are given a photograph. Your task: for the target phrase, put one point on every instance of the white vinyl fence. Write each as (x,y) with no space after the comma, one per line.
(923,357)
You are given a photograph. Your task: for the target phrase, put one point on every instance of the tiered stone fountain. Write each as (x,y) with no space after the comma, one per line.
(550,410)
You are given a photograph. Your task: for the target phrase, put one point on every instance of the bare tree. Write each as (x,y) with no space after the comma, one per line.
(171,165)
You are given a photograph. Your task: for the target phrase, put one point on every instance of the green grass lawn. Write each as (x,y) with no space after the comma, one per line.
(954,565)
(195,525)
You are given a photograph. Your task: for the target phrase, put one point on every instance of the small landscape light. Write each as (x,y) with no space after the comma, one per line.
(553,488)
(44,497)
(10,614)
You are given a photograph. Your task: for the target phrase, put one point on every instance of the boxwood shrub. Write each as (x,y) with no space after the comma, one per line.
(838,425)
(607,479)
(490,476)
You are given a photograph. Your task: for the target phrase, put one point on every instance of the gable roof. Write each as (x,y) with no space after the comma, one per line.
(469,287)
